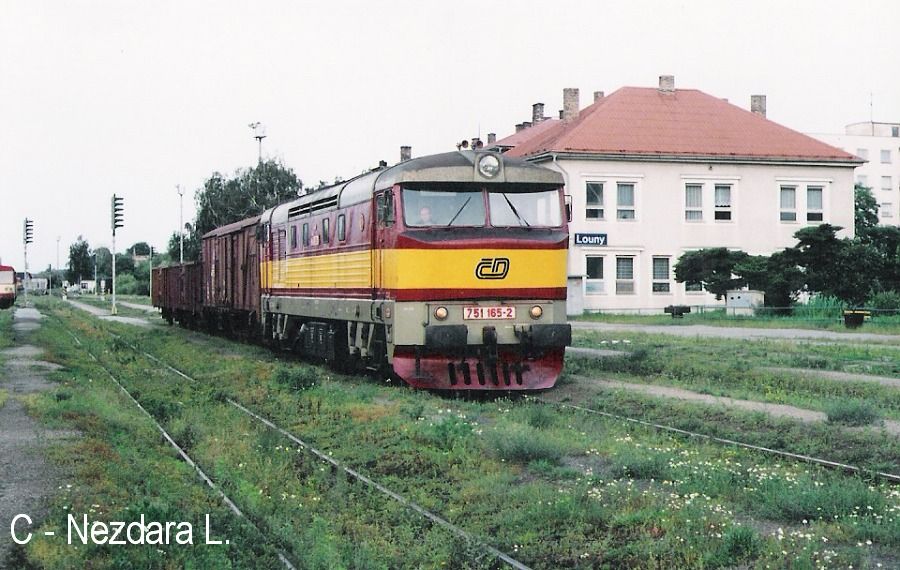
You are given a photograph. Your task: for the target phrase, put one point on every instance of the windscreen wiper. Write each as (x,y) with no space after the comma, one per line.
(458,212)
(516,212)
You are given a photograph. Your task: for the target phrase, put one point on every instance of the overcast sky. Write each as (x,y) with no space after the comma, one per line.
(98,97)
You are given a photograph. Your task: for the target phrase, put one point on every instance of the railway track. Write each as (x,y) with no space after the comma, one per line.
(333,463)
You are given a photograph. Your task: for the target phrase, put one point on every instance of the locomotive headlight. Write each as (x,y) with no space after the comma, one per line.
(536,312)
(441,313)
(489,165)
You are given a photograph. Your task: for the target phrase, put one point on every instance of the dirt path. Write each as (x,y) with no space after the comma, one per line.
(777,410)
(837,375)
(139,307)
(740,332)
(26,478)
(104,314)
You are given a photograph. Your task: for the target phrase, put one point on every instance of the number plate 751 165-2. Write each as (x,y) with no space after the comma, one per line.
(484,313)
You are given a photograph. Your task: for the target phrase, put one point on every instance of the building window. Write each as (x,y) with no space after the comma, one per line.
(624,276)
(593,285)
(886,156)
(693,202)
(625,201)
(293,237)
(661,275)
(594,209)
(814,204)
(887,210)
(788,204)
(342,227)
(863,153)
(693,286)
(895,131)
(305,235)
(862,180)
(723,201)
(886,183)
(326,230)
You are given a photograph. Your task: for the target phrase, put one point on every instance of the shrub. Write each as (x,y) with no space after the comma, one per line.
(524,444)
(888,301)
(448,433)
(851,413)
(639,466)
(538,416)
(739,543)
(297,378)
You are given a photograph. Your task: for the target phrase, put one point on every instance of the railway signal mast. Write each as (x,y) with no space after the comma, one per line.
(118,220)
(27,238)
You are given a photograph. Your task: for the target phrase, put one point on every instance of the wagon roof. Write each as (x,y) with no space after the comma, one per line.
(233,227)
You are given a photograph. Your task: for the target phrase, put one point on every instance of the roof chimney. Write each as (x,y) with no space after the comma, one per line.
(537,113)
(405,153)
(492,138)
(570,104)
(758,104)
(520,127)
(526,124)
(598,95)
(667,83)
(560,113)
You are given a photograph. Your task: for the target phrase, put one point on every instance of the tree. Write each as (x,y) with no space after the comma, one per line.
(140,248)
(80,263)
(865,211)
(191,247)
(104,263)
(713,267)
(776,275)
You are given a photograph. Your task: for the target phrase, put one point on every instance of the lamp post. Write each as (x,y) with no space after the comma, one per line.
(180,223)
(259,133)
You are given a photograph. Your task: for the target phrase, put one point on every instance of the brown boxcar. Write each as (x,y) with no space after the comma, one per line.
(231,276)
(178,292)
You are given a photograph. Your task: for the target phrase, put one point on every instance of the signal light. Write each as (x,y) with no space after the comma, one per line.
(28,231)
(118,212)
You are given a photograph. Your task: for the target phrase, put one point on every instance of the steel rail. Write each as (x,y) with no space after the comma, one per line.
(435,518)
(184,456)
(795,456)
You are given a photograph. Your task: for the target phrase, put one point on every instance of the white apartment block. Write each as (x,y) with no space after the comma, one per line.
(654,173)
(879,145)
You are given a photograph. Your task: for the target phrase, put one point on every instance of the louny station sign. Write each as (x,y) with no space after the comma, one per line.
(590,239)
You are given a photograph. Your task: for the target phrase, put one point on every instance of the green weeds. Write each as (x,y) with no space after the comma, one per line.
(851,413)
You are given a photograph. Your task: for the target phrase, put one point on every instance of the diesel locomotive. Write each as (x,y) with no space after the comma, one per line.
(447,271)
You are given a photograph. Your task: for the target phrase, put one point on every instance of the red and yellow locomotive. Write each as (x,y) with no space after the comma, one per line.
(448,271)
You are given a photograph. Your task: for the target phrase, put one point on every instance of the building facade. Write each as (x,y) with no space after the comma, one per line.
(879,145)
(656,172)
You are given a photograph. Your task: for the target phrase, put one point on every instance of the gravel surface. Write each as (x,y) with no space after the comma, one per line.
(26,478)
(837,375)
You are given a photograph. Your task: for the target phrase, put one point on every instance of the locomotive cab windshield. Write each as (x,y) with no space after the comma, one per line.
(467,205)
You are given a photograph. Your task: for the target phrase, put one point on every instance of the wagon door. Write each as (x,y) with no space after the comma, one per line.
(384,222)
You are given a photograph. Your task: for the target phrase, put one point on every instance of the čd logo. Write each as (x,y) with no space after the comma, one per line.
(492,268)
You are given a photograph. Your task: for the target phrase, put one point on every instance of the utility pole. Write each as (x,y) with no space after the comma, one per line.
(118,220)
(57,263)
(27,238)
(151,274)
(180,223)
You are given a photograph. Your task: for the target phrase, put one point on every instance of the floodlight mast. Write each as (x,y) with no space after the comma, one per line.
(117,221)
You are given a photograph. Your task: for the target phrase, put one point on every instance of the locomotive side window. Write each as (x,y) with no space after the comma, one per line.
(305,235)
(326,230)
(341,227)
(293,237)
(385,208)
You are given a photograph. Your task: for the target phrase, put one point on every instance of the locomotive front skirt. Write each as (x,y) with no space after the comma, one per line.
(447,271)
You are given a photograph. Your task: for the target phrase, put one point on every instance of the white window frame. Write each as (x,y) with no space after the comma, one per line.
(624,285)
(886,210)
(723,210)
(887,183)
(693,209)
(863,153)
(815,215)
(885,156)
(599,284)
(862,180)
(699,291)
(790,212)
(627,207)
(588,207)
(659,281)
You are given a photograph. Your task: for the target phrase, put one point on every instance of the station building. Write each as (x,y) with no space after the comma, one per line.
(656,172)
(879,145)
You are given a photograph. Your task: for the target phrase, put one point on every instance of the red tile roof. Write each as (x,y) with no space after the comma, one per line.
(681,123)
(526,134)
